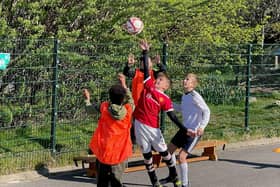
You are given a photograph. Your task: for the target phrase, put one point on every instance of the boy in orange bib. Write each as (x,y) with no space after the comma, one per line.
(111,141)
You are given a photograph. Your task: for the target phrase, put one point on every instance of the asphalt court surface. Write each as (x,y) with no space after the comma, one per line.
(256,166)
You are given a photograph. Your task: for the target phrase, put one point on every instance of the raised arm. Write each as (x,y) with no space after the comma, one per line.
(161,67)
(145,47)
(129,98)
(128,70)
(90,108)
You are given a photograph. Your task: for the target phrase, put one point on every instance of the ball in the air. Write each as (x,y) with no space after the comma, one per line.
(134,25)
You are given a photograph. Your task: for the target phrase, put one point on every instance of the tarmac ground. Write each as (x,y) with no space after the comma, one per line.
(243,165)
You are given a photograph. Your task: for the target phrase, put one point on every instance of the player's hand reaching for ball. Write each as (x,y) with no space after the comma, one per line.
(121,78)
(130,60)
(86,94)
(156,59)
(144,45)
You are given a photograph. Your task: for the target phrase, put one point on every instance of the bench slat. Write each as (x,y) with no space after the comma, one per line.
(208,146)
(209,143)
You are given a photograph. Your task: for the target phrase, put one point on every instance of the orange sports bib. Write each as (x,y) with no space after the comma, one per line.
(138,84)
(111,142)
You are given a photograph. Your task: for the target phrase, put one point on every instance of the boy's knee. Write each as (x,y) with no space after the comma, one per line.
(183,158)
(147,156)
(171,148)
(164,153)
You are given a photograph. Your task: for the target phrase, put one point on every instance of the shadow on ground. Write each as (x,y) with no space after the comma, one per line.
(255,164)
(78,175)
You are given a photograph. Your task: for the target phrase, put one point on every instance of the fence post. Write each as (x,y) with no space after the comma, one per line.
(54,97)
(248,85)
(164,60)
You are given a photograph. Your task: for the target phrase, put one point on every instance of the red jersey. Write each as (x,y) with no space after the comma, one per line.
(150,103)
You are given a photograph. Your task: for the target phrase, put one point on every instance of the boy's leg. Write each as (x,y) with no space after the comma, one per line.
(148,161)
(161,147)
(171,163)
(176,142)
(116,175)
(103,174)
(144,135)
(183,165)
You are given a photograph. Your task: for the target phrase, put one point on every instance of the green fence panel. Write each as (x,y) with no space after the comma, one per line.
(42,116)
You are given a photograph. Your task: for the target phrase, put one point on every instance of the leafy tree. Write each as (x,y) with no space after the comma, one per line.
(93,42)
(266,14)
(100,21)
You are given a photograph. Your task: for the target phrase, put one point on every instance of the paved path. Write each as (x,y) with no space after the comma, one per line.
(255,166)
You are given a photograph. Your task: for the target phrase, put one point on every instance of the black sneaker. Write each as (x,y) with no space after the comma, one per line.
(173,180)
(157,184)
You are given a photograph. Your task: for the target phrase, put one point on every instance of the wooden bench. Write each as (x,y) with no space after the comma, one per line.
(91,160)
(209,153)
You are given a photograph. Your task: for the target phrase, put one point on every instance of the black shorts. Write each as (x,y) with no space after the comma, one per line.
(182,140)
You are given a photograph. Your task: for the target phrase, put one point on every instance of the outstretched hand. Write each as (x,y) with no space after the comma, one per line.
(121,78)
(157,59)
(86,94)
(131,59)
(144,45)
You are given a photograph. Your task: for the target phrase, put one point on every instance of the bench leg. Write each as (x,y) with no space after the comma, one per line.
(83,164)
(76,163)
(211,152)
(91,170)
(156,159)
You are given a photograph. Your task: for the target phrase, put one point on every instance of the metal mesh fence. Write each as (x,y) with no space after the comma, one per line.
(42,116)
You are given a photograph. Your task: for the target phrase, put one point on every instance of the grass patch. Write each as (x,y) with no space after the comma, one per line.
(28,147)
(228,122)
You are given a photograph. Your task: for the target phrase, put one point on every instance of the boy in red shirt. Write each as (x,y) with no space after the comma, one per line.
(137,75)
(147,131)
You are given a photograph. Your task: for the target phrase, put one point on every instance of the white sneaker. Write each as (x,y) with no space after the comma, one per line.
(188,185)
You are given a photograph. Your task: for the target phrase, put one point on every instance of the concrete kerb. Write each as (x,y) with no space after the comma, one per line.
(46,172)
(257,142)
(36,175)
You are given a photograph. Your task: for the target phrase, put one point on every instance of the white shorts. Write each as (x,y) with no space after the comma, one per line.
(147,136)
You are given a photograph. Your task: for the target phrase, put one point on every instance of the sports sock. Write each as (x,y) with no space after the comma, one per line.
(148,161)
(168,159)
(184,173)
(173,158)
(153,177)
(171,164)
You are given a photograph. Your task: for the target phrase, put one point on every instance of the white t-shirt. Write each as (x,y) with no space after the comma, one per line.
(195,112)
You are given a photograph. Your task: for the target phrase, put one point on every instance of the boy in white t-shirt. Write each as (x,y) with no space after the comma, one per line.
(196,115)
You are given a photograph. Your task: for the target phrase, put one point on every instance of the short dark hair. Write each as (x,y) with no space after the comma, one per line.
(165,75)
(117,94)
